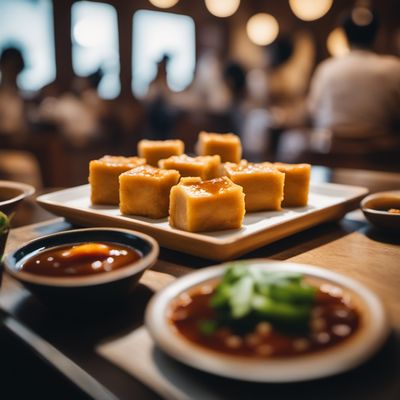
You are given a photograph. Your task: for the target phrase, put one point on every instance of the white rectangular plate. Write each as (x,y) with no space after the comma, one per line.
(327,201)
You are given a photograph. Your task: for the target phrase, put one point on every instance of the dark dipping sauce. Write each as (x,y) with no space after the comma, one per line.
(7,193)
(80,259)
(333,320)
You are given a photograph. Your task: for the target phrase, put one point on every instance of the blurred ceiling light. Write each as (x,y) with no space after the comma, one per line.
(222,8)
(88,33)
(337,43)
(262,29)
(361,16)
(163,3)
(310,10)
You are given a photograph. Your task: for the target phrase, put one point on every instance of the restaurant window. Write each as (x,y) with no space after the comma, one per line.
(28,26)
(95,44)
(156,34)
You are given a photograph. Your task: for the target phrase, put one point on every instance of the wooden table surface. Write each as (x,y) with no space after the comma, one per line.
(350,246)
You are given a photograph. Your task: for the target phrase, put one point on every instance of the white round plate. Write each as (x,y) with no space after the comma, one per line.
(344,356)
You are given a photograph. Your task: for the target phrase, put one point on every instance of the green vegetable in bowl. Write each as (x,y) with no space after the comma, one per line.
(253,294)
(4,227)
(4,222)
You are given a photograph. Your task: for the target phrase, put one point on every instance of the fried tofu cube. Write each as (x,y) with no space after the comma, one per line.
(297,184)
(226,145)
(103,177)
(155,150)
(205,167)
(144,191)
(211,205)
(262,184)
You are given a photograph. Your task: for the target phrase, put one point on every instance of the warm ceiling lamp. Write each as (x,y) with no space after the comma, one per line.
(337,43)
(222,8)
(262,29)
(310,10)
(362,16)
(163,3)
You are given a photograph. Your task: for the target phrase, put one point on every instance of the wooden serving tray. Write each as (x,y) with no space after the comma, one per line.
(327,201)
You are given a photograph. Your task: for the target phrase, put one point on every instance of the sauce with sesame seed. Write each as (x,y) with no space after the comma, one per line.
(80,259)
(333,320)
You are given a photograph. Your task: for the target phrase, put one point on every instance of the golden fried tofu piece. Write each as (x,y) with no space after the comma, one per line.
(205,167)
(144,191)
(155,150)
(211,205)
(262,184)
(103,177)
(226,145)
(297,184)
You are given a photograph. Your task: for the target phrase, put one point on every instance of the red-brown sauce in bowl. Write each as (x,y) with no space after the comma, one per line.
(80,259)
(333,320)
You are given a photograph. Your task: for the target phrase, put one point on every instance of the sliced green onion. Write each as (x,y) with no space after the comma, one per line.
(250,294)
(241,296)
(4,222)
(207,327)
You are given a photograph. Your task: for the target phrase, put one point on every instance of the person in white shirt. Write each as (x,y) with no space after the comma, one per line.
(354,100)
(12,108)
(357,96)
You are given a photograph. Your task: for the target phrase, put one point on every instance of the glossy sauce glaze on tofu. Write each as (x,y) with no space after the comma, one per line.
(205,167)
(211,187)
(145,191)
(262,183)
(198,206)
(147,170)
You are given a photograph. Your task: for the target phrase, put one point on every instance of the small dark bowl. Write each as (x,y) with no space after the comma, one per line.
(12,193)
(90,290)
(375,208)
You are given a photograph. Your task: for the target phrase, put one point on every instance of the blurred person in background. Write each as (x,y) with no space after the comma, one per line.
(79,113)
(159,87)
(12,110)
(355,99)
(277,93)
(208,92)
(214,99)
(289,61)
(214,91)
(234,76)
(15,165)
(160,109)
